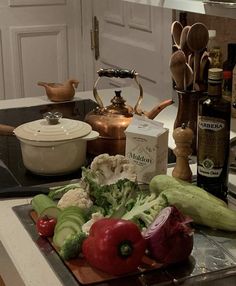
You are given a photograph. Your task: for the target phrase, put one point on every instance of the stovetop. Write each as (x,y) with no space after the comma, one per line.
(10,151)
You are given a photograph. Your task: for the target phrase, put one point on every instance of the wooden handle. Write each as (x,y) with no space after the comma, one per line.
(6,129)
(122,73)
(2,282)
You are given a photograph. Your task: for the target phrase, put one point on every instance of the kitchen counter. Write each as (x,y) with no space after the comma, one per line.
(25,255)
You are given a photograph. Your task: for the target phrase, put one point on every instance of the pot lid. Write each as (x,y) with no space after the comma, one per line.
(53,128)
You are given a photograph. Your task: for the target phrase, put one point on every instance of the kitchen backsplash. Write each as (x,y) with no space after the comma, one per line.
(225,28)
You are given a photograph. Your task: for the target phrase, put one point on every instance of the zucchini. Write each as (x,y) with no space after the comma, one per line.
(160,183)
(202,211)
(44,206)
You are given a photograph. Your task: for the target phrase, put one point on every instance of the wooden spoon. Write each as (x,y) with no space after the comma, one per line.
(203,74)
(188,80)
(176,29)
(177,67)
(183,41)
(197,39)
(191,60)
(175,48)
(203,62)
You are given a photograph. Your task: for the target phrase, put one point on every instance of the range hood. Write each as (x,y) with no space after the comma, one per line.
(222,8)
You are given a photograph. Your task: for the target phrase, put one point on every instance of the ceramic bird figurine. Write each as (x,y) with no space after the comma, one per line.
(60,92)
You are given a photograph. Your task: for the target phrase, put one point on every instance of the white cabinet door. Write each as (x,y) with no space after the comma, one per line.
(40,40)
(134,36)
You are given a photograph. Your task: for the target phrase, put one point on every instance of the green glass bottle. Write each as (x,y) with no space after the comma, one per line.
(213,137)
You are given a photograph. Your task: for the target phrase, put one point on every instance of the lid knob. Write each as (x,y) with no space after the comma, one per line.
(118,100)
(52,117)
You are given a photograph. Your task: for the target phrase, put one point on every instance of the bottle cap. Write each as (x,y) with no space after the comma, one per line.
(215,74)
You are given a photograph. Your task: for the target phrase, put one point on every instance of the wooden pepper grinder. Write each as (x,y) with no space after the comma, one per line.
(183,137)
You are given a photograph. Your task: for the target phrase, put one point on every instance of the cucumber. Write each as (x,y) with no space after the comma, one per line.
(68,222)
(71,216)
(61,235)
(75,209)
(44,206)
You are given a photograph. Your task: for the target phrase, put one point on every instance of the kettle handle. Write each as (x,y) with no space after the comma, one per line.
(117,73)
(121,73)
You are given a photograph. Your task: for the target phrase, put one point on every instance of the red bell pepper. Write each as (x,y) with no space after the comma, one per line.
(115,246)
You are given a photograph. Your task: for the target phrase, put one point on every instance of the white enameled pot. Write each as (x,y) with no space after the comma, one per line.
(54,146)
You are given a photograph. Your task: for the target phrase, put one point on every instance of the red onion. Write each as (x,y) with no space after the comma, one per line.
(170,237)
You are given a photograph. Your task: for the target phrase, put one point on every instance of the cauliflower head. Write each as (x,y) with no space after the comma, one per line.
(75,197)
(110,169)
(95,217)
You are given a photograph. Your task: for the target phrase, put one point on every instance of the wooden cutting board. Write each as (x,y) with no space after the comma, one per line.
(85,274)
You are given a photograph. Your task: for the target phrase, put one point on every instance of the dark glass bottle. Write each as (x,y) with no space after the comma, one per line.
(227,85)
(229,63)
(213,138)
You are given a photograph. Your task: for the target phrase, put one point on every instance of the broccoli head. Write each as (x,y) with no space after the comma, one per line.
(146,208)
(72,245)
(115,199)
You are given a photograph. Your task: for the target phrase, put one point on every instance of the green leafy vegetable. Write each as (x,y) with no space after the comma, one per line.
(72,245)
(59,191)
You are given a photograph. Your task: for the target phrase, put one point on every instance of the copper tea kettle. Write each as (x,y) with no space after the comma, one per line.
(111,121)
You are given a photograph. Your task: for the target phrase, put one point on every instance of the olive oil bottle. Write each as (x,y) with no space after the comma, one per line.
(213,137)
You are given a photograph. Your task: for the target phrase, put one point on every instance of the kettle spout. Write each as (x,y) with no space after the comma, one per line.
(157,109)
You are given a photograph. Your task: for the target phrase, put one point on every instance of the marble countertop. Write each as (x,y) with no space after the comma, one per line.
(29,262)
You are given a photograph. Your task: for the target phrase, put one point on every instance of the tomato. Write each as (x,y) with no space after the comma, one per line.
(45,226)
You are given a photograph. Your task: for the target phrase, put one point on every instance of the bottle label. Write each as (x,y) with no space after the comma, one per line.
(216,57)
(212,140)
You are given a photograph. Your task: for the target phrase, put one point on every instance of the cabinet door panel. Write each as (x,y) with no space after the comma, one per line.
(135,36)
(40,41)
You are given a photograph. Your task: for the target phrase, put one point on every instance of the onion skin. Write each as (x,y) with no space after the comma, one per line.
(170,237)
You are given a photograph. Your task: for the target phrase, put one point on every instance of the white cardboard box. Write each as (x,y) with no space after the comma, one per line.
(147,147)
